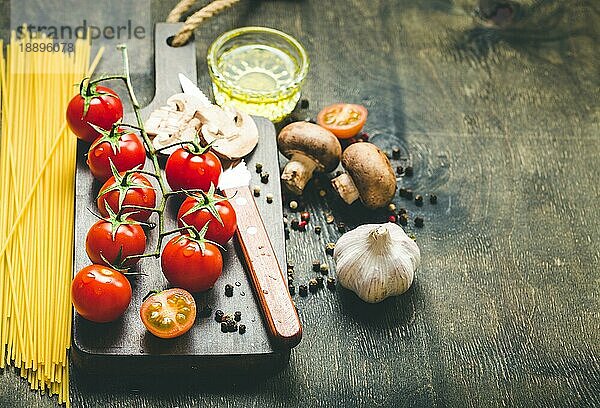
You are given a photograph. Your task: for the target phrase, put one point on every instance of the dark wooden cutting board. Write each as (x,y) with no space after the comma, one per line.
(124,346)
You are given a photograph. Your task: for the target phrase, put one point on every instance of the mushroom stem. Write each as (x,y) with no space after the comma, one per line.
(297,172)
(346,188)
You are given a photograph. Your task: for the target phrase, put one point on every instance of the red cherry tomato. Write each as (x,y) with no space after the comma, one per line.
(115,242)
(105,109)
(169,313)
(136,190)
(190,171)
(343,119)
(200,211)
(125,150)
(187,266)
(100,294)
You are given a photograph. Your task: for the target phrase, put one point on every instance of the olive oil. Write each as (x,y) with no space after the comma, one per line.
(263,77)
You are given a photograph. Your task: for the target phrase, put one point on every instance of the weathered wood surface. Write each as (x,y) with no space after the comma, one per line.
(503,125)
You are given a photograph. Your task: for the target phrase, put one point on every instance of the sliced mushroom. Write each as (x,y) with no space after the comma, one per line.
(369,176)
(234,133)
(310,148)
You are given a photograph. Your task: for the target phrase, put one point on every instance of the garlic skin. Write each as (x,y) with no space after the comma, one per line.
(376,261)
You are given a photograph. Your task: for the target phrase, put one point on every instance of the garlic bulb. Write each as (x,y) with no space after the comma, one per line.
(376,261)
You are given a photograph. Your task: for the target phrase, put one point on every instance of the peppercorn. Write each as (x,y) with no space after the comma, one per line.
(419,200)
(228,290)
(331,283)
(258,167)
(341,227)
(392,218)
(395,152)
(329,247)
(403,219)
(318,229)
(313,286)
(409,194)
(329,219)
(269,198)
(232,326)
(391,207)
(294,223)
(219,316)
(224,328)
(256,191)
(237,316)
(291,289)
(319,280)
(304,104)
(399,170)
(324,268)
(316,264)
(293,205)
(305,216)
(303,290)
(432,199)
(408,171)
(402,192)
(322,193)
(364,136)
(242,328)
(302,226)
(419,222)
(401,211)
(264,177)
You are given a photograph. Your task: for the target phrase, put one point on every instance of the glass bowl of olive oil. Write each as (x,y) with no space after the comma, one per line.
(257,70)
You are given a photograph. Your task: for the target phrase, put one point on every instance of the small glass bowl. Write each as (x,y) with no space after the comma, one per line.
(257,70)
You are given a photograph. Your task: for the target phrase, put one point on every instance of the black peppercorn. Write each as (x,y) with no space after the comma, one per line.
(331,283)
(318,229)
(228,290)
(419,200)
(329,248)
(341,227)
(304,104)
(403,219)
(329,219)
(408,171)
(237,316)
(303,290)
(232,326)
(242,328)
(408,194)
(219,316)
(224,327)
(313,285)
(419,222)
(402,192)
(264,177)
(399,170)
(319,280)
(292,289)
(432,199)
(395,152)
(401,211)
(324,268)
(258,167)
(316,264)
(269,198)
(295,223)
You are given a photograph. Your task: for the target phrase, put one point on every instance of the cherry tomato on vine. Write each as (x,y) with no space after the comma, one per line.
(199,209)
(169,313)
(109,242)
(186,170)
(95,104)
(191,263)
(343,119)
(122,190)
(124,149)
(100,293)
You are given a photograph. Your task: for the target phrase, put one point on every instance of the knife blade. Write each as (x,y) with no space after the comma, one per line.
(263,268)
(188,87)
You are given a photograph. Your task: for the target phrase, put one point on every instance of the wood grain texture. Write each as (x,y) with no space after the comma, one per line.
(503,125)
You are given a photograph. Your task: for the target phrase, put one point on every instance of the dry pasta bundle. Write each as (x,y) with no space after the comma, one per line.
(37,167)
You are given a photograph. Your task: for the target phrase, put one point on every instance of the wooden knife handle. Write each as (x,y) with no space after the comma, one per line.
(266,275)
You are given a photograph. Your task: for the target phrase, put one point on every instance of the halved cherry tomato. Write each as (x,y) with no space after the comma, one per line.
(169,313)
(199,209)
(343,119)
(118,193)
(186,170)
(191,263)
(100,293)
(110,242)
(104,110)
(124,149)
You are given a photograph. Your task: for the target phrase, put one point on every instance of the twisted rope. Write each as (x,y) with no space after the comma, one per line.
(195,19)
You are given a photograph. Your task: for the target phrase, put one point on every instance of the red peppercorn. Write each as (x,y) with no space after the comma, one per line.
(305,216)
(392,218)
(302,225)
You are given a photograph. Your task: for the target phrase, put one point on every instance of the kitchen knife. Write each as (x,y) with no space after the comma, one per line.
(264,270)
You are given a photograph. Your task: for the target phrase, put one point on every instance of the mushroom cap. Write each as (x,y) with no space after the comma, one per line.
(371,173)
(313,141)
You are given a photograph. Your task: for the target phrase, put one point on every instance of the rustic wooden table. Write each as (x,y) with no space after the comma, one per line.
(503,124)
